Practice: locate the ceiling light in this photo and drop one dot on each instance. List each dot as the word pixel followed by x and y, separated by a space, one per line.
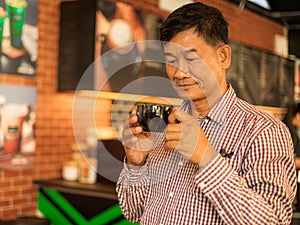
pixel 261 3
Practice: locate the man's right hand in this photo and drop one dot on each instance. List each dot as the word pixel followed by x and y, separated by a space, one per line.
pixel 136 142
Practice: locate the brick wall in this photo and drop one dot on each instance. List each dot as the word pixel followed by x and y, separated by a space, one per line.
pixel 54 132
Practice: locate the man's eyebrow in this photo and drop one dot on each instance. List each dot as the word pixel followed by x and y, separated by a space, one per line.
pixel 190 50
pixel 168 54
pixel 187 51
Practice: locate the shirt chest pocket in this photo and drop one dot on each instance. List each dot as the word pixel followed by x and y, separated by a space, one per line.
pixel 234 156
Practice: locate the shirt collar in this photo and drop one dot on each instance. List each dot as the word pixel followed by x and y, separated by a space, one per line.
pixel 220 110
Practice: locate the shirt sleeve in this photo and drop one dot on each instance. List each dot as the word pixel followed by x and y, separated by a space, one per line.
pixel 263 190
pixel 132 188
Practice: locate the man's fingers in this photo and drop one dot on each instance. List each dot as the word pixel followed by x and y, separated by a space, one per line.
pixel 136 130
pixel 173 127
pixel 171 144
pixel 172 136
pixel 174 116
pixel 133 119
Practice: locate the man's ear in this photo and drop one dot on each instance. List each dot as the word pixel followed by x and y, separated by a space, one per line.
pixel 224 54
pixel 297 116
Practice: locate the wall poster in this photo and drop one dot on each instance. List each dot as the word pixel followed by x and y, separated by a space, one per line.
pixel 18 37
pixel 261 78
pixel 17 127
pixel 127 42
pixel 297 81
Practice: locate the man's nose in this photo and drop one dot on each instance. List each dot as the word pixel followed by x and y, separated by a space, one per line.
pixel 181 71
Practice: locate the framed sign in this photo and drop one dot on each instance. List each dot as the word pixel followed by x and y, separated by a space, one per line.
pixel 128 51
pixel 18 37
pixel 260 77
pixel 17 126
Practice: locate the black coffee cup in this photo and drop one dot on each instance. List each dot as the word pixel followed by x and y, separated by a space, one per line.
pixel 153 117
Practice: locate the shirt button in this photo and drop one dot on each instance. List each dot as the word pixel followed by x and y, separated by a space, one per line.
pixel 222 212
pixel 180 163
pixel 202 184
pixel 171 194
pixel 206 120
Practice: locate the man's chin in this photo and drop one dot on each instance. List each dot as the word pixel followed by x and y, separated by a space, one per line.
pixel 184 95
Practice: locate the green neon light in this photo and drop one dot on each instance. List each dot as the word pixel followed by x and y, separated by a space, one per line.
pixel 107 216
pixel 57 218
pixel 52 213
pixel 66 206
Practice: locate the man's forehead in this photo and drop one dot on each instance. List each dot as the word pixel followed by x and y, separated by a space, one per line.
pixel 171 48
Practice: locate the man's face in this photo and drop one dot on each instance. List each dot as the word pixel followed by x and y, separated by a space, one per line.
pixel 195 67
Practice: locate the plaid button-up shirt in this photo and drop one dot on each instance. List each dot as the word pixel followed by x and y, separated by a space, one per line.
pixel 252 180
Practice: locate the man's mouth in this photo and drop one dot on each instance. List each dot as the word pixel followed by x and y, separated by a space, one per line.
pixel 186 86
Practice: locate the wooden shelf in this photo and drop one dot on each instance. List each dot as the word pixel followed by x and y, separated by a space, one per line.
pixel 100 189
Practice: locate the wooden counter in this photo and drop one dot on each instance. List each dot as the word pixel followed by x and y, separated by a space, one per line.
pixel 100 189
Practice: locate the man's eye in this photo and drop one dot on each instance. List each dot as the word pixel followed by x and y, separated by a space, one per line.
pixel 171 62
pixel 191 59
